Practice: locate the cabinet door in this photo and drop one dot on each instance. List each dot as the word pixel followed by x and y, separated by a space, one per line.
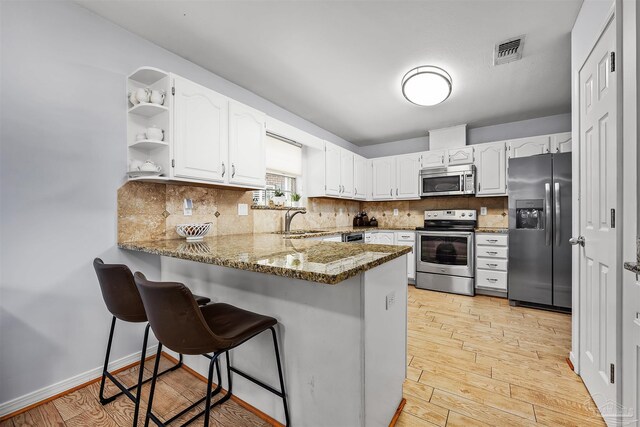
pixel 247 131
pixel 332 166
pixel 407 177
pixel 433 159
pixel 383 178
pixel 460 156
pixel 526 147
pixel 491 169
pixel 201 132
pixel 561 143
pixel 385 238
pixel 360 177
pixel 346 173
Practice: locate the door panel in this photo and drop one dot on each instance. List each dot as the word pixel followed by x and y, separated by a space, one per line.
pixel 383 178
pixel 491 169
pixel 246 145
pixel 346 173
pixel 598 265
pixel 408 177
pixel 526 147
pixel 201 132
pixel 360 177
pixel 332 165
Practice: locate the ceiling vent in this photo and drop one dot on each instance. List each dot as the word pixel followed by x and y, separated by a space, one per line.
pixel 508 50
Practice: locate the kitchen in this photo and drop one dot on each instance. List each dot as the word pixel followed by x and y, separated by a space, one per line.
pixel 138 143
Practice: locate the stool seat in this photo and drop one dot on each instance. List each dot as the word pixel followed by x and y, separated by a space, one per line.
pixel 235 325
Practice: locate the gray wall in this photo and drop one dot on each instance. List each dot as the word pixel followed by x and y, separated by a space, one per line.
pixel 63 157
pixel 522 129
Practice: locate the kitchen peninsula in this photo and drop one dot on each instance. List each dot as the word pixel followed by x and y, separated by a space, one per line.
pixel 342 310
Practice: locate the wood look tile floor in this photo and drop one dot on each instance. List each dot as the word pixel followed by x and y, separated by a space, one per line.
pixel 476 361
pixel 471 362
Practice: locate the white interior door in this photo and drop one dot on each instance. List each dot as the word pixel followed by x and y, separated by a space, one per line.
pixel 201 132
pixel 598 259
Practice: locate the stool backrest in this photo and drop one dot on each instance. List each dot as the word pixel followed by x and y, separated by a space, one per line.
pixel 175 317
pixel 119 291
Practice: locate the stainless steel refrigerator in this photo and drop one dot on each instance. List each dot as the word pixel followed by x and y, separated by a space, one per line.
pixel 539 230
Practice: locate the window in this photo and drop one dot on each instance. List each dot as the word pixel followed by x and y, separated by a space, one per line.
pixel 284 164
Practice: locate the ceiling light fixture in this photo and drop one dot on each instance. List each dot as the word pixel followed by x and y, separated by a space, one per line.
pixel 426 85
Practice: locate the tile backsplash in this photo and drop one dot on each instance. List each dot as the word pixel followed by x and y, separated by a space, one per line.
pixel 148 211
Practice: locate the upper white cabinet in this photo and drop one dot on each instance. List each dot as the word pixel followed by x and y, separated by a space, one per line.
pixel 201 132
pixel 491 169
pixel 434 159
pixel 332 167
pixel 346 173
pixel 383 180
pixel 246 145
pixel 525 147
pixel 561 142
pixel 361 178
pixel 460 156
pixel 407 176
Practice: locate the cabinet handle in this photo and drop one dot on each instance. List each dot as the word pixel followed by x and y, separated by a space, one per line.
pixel 396 191
pixel 224 169
pixel 492 253
pixel 233 170
pixel 492 240
pixel 491 280
pixel 391 192
pixel 355 190
pixel 492 265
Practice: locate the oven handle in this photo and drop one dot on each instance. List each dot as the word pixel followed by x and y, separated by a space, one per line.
pixel 446 233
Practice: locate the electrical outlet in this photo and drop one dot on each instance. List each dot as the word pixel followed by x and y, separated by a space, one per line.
pixel 395 212
pixel 187 207
pixel 483 210
pixel 390 299
pixel 243 209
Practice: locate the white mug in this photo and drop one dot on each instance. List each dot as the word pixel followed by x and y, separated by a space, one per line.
pixel 157 96
pixel 155 133
pixel 143 94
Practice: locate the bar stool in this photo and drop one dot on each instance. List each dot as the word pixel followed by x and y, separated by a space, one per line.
pixel 122 299
pixel 182 326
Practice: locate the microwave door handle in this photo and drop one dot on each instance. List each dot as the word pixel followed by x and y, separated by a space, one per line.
pixel 547 213
pixel 462 183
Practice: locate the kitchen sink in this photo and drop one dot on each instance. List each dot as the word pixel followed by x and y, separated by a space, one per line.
pixel 298 232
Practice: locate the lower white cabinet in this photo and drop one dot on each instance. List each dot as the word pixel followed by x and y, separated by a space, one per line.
pixel 492 251
pixel 408 238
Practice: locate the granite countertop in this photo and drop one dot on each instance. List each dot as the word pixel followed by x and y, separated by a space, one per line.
pixel 312 260
pixel 302 234
pixel 492 230
pixel 632 266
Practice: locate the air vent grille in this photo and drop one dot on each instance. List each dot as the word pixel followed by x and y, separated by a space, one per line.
pixel 508 50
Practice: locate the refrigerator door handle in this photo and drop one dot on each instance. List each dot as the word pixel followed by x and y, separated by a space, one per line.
pixel 547 213
pixel 556 203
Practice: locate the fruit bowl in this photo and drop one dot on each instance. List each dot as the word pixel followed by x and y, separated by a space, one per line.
pixel 193 232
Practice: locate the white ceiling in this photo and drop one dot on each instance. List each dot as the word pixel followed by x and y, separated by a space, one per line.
pixel 339 64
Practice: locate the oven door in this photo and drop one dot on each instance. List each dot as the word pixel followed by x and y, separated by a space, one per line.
pixel 446 252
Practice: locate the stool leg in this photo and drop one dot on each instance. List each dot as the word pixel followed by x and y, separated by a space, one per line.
pixel 207 409
pixel 106 364
pixel 284 394
pixel 140 375
pixel 153 387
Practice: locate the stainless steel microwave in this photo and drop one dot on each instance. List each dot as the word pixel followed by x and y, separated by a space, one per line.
pixel 448 181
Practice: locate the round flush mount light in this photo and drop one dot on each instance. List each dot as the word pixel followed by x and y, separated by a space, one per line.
pixel 426 85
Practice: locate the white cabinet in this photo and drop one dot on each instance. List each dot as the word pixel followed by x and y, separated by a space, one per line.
pixel 346 173
pixel 382 238
pixel 361 177
pixel 434 159
pixel 460 156
pixel 491 263
pixel 201 132
pixel 408 238
pixel 246 145
pixel 491 169
pixel 332 166
pixel 407 177
pixel 561 142
pixel 383 180
pixel 525 147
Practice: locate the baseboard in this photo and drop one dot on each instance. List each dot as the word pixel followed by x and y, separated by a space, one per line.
pixel 574 362
pixel 20 404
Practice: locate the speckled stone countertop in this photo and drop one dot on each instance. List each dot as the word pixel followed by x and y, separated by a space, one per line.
pixel 492 230
pixel 311 260
pixel 632 266
pixel 302 234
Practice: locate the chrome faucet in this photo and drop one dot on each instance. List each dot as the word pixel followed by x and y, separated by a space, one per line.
pixel 288 217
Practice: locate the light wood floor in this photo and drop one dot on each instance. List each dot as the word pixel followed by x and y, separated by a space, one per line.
pixel 472 362
pixel 174 392
pixel 476 361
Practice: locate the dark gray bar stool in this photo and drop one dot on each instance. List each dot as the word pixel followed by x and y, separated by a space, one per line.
pixel 182 326
pixel 122 299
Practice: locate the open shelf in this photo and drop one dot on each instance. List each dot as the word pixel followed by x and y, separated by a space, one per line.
pixel 148 144
pixel 148 109
pixel 148 75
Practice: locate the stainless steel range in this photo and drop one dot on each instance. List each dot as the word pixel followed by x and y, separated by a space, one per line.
pixel 445 254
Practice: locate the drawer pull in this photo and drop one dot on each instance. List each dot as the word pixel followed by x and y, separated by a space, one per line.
pixel 492 240
pixel 489 279
pixel 492 253
pixel 492 265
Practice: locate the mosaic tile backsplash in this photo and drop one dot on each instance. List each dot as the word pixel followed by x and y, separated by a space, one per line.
pixel 148 211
